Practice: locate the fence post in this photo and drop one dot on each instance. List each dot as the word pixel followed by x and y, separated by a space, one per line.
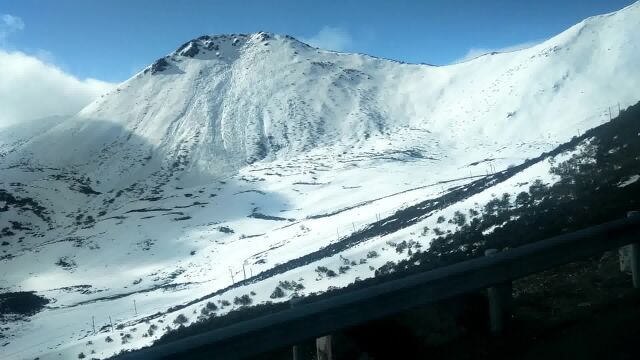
pixel 323 348
pixel 244 272
pixel 231 272
pixel 499 303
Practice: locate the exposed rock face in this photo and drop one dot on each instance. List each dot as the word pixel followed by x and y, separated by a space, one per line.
pixel 158 66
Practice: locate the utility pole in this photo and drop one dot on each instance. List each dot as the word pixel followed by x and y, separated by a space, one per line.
pixel 93 323
pixel 231 272
pixel 135 308
pixel 111 323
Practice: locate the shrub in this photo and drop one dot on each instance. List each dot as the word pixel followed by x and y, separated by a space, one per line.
pixel 523 199
pixel 225 229
pixel 401 247
pixel 243 300
pixel 180 320
pixel 277 293
pixel 125 338
pixel 425 231
pixel 372 254
pixel 291 285
pixel 386 269
pixel 66 263
pixel 81 355
pixel 108 339
pixel 458 219
pixel 152 329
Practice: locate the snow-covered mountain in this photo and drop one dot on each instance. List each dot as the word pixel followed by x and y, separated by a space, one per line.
pixel 259 157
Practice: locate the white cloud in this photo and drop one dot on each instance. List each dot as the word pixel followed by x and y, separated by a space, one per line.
pixel 31 88
pixel 8 24
pixel 475 52
pixel 330 38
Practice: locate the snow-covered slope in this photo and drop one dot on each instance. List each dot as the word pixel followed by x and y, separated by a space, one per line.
pixel 258 156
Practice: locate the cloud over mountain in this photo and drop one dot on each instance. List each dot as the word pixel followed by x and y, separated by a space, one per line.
pixel 31 88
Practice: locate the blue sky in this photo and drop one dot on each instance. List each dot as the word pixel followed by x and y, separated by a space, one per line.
pixel 111 40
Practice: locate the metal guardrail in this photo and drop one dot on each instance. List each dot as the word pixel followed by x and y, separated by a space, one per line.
pixel 323 317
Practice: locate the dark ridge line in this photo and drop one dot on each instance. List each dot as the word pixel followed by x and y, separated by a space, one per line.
pixel 122 295
pixel 196 203
pixel 248 191
pixel 335 212
pixel 147 210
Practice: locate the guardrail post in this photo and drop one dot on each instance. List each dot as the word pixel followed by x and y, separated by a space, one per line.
pixel 630 257
pixel 624 256
pixel 635 264
pixel 323 348
pixel 499 303
pixel 295 349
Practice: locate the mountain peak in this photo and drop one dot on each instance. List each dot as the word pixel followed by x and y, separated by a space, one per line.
pixel 220 46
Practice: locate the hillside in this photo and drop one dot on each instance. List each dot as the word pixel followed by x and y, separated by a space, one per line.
pixel 239 164
pixel 598 175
